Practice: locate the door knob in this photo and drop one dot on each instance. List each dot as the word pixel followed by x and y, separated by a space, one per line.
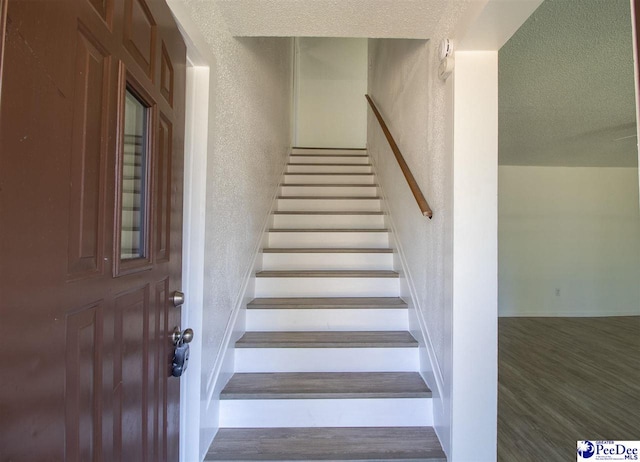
pixel 178 338
pixel 177 298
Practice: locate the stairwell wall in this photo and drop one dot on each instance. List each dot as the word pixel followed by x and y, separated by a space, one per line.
pixel 249 138
pixel 414 105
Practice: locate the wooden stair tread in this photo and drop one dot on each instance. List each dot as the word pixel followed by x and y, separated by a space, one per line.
pixel 330 185
pixel 313 212
pixel 327 303
pixel 328 230
pixel 323 164
pixel 325 173
pixel 328 339
pixel 328 274
pixel 329 155
pixel 323 250
pixel 404 444
pixel 326 385
pixel 328 149
pixel 331 197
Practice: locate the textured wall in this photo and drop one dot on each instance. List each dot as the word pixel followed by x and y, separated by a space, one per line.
pixel 331 80
pixel 249 138
pixel 572 229
pixel 337 18
pixel 412 100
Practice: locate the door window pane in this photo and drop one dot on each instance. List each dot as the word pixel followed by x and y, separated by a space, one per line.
pixel 134 179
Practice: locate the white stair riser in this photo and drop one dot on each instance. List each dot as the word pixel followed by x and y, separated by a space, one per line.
pixel 327 320
pixel 326 359
pixel 371 412
pixel 328 179
pixel 370 191
pixel 328 169
pixel 324 151
pixel 319 239
pixel 327 261
pixel 329 205
pixel 327 287
pixel 320 159
pixel 328 221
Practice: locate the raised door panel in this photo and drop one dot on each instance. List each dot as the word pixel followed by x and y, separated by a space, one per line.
pixel 3 30
pixel 140 34
pixel 83 400
pixel 163 358
pixel 163 189
pixel 104 8
pixel 88 158
pixel 166 75
pixel 131 377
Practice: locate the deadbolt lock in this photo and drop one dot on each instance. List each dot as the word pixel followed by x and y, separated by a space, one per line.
pixel 177 298
pixel 181 352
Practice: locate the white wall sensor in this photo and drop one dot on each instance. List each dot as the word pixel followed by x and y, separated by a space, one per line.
pixel 446 48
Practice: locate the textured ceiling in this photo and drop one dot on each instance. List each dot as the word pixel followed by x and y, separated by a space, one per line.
pixel 335 18
pixel 567 87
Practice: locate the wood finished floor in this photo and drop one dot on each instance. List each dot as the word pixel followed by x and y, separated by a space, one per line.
pixel 408 444
pixel 563 380
pixel 328 230
pixel 327 303
pixel 328 274
pixel 329 385
pixel 329 339
pixel 304 212
pixel 324 250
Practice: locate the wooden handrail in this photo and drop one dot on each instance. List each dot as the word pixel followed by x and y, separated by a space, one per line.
pixel 413 184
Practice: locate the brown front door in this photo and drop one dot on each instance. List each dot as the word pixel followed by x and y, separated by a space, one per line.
pixel 91 158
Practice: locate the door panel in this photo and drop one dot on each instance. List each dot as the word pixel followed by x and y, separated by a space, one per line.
pixel 166 75
pixel 140 34
pixel 130 374
pixel 3 29
pixel 87 351
pixel 83 382
pixel 88 158
pixel 163 189
pixel 104 8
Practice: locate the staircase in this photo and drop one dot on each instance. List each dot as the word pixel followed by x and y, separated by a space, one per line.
pixel 327 369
